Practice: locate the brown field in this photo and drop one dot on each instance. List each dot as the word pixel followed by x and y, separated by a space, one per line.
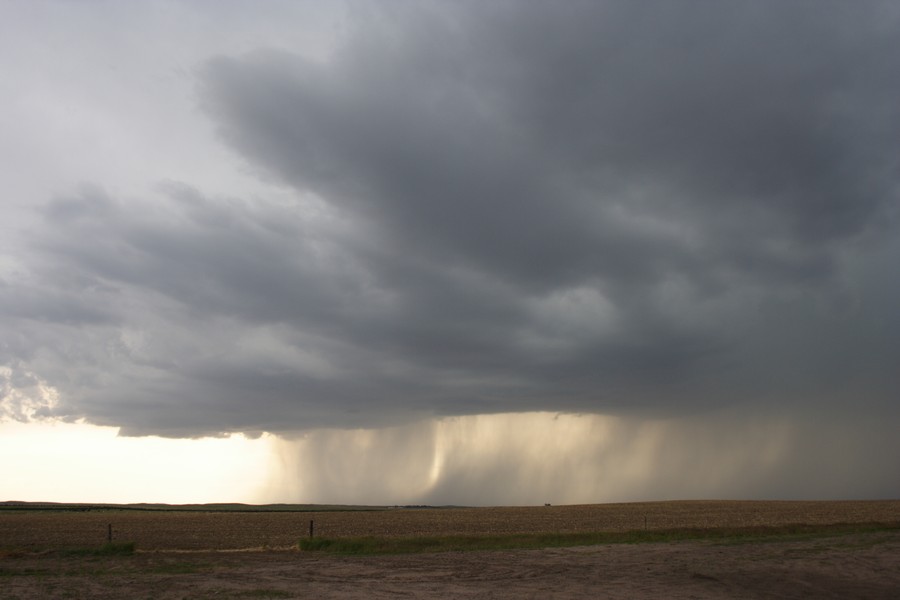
pixel 194 530
pixel 192 554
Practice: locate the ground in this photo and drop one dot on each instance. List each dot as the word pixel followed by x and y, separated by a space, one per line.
pixel 206 553
pixel 845 566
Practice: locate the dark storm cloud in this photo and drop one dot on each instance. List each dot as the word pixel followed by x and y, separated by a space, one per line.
pixel 524 206
pixel 521 140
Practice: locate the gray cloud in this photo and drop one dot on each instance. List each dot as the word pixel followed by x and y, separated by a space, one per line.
pixel 593 207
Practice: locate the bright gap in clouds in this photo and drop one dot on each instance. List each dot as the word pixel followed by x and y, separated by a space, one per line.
pixel 71 462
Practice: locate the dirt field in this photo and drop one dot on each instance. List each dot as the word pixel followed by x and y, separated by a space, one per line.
pixel 856 566
pixel 234 530
pixel 839 566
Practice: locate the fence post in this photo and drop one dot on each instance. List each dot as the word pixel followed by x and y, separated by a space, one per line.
pixel 310 528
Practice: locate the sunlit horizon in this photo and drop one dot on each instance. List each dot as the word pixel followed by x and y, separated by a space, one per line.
pixel 82 463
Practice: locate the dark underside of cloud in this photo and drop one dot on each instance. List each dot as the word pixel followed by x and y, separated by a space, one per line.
pixel 589 207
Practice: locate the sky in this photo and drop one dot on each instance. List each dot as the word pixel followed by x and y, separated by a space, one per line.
pixel 449 252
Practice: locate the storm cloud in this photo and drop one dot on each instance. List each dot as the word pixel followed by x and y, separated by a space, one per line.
pixel 640 210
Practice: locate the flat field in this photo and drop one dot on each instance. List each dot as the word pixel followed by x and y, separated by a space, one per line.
pixel 220 554
pixel 229 530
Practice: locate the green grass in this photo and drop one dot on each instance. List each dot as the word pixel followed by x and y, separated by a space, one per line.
pixel 23 572
pixel 412 545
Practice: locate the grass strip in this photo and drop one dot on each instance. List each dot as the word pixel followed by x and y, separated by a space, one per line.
pixel 429 544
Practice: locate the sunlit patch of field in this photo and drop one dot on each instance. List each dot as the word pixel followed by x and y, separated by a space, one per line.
pixel 219 528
